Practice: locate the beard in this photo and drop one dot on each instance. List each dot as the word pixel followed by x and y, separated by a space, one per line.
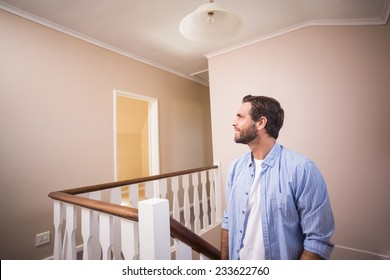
pixel 246 135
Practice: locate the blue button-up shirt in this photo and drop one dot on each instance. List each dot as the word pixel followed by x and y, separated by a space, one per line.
pixel 295 210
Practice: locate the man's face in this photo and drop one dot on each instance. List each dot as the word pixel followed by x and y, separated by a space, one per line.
pixel 245 129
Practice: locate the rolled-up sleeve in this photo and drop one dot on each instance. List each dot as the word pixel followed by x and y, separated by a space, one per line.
pixel 317 220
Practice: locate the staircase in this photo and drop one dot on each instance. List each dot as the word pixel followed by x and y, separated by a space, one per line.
pixel 178 208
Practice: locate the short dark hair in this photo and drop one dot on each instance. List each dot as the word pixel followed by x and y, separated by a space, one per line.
pixel 263 106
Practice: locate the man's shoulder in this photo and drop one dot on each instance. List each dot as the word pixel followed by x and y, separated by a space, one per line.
pixel 291 154
pixel 292 157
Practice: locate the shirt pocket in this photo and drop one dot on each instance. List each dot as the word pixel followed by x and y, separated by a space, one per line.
pixel 284 205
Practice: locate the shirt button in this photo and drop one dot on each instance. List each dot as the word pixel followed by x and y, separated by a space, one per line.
pixel 243 212
pixel 246 193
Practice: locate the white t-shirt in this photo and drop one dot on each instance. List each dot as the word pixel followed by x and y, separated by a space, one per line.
pixel 253 243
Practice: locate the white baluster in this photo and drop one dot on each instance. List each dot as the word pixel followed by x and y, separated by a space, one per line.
pixel 154 229
pixel 106 234
pixel 212 197
pixel 156 188
pixel 187 209
pixel 203 178
pixel 58 222
pixel 163 188
pixel 218 194
pixel 203 257
pixel 116 198
pixel 149 190
pixel 71 224
pixel 183 251
pixel 134 195
pixel 195 184
pixel 175 205
pixel 130 240
pixel 86 232
pixel 64 245
pixel 95 244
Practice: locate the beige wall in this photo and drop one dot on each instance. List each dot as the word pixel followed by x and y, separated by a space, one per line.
pixel 334 84
pixel 56 123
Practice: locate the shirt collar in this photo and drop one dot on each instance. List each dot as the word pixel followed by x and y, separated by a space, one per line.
pixel 270 158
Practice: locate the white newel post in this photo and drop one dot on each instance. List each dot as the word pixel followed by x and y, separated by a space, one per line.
pixel 154 229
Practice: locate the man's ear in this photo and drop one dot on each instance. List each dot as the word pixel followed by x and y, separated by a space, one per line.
pixel 261 123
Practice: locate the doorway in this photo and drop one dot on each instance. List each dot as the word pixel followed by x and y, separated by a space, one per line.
pixel 136 136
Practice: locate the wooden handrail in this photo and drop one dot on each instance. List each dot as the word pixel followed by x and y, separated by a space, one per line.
pixel 106 186
pixel 197 243
pixel 178 230
pixel 97 205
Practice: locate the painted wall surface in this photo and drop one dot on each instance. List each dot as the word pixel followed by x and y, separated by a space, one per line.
pixel 334 85
pixel 57 123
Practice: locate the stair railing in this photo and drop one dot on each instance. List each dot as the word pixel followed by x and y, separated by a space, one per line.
pixel 109 222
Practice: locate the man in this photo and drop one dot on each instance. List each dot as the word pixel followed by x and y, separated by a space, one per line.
pixel 277 201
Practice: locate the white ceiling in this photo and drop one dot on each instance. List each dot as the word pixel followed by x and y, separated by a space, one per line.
pixel 148 30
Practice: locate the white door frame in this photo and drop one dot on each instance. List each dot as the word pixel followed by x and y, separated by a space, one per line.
pixel 154 151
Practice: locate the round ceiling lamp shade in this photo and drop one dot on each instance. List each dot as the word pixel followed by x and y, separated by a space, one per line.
pixel 210 22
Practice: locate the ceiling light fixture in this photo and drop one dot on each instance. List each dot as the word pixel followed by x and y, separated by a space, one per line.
pixel 210 22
